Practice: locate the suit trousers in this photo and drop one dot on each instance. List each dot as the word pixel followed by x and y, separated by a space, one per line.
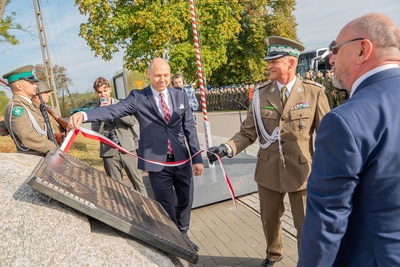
pixel 272 208
pixel 173 189
pixel 115 164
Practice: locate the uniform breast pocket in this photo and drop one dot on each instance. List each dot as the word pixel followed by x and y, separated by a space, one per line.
pixel 300 119
pixel 270 119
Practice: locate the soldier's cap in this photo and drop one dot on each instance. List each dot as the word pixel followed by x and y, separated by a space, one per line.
pixel 43 87
pixel 280 46
pixel 22 73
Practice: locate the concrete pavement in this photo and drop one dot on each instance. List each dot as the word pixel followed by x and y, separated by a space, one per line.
pixel 229 237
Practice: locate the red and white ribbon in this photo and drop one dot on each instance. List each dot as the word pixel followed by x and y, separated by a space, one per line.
pixel 70 138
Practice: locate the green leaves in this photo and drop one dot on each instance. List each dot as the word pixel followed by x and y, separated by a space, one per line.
pixel 230 33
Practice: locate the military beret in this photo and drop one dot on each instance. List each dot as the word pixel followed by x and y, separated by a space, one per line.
pixel 22 73
pixel 280 46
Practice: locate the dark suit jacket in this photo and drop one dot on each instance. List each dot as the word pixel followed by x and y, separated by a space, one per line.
pixel 123 129
pixel 353 204
pixel 154 132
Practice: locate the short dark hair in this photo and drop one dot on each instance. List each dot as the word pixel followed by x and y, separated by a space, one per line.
pixel 176 76
pixel 100 82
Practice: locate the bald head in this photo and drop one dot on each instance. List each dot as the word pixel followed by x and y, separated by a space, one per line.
pixel 382 31
pixel 365 43
pixel 159 74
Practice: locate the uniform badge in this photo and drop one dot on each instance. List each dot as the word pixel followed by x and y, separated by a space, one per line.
pixel 299 89
pixel 272 89
pixel 17 111
pixel 302 124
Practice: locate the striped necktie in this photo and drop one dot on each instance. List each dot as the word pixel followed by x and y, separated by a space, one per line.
pixel 167 117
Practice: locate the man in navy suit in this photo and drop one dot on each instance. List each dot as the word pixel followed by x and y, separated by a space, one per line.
pixel 160 139
pixel 353 203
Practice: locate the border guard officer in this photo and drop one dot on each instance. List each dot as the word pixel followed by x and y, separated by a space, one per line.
pixel 284 114
pixel 22 118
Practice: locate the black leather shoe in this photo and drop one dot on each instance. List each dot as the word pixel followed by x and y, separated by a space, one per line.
pixel 267 263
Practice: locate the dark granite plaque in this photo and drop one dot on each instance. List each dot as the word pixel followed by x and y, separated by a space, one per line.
pixel 78 185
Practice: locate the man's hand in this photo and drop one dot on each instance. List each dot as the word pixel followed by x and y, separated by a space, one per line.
pixel 220 150
pixel 75 120
pixel 198 169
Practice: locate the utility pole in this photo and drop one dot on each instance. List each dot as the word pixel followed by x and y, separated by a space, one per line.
pixel 2 7
pixel 45 54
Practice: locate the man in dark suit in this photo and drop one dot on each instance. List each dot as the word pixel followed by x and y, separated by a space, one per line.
pixel 166 126
pixel 353 200
pixel 121 132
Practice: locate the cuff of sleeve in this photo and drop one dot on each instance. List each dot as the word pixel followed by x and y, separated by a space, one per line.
pixel 230 151
pixel 84 116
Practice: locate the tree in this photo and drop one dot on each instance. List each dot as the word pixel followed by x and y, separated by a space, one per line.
pixel 3 102
pixel 8 23
pixel 231 34
pixel 60 77
pixel 62 81
pixel 246 52
pixel 157 28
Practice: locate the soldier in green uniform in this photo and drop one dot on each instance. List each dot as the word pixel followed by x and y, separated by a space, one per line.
pixel 22 118
pixel 320 78
pixel 330 91
pixel 342 95
pixel 45 92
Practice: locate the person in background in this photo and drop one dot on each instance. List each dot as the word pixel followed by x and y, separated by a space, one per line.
pixel 167 134
pixel 22 118
pixel 284 114
pixel 330 91
pixel 353 201
pixel 121 132
pixel 320 78
pixel 45 93
pixel 178 83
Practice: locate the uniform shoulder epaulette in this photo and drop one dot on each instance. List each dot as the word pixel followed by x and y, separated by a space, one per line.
pixel 265 84
pixel 313 83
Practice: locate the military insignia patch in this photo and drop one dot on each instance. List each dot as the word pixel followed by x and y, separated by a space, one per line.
pixel 17 111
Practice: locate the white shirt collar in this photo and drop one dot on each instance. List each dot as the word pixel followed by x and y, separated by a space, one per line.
pixel 157 93
pixel 370 73
pixel 289 86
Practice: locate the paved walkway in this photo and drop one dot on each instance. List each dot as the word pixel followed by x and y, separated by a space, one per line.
pixel 229 237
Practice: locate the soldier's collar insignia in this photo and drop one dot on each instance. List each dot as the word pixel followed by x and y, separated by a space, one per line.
pixel 17 111
pixel 272 89
pixel 299 89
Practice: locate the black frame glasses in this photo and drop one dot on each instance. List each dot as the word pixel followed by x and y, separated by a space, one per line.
pixel 334 47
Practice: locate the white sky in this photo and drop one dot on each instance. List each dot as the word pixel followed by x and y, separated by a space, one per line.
pixel 318 23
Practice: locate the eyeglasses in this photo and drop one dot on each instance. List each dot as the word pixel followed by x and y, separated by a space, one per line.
pixel 334 47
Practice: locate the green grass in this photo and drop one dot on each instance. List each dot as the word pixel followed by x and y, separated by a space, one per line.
pixel 84 149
